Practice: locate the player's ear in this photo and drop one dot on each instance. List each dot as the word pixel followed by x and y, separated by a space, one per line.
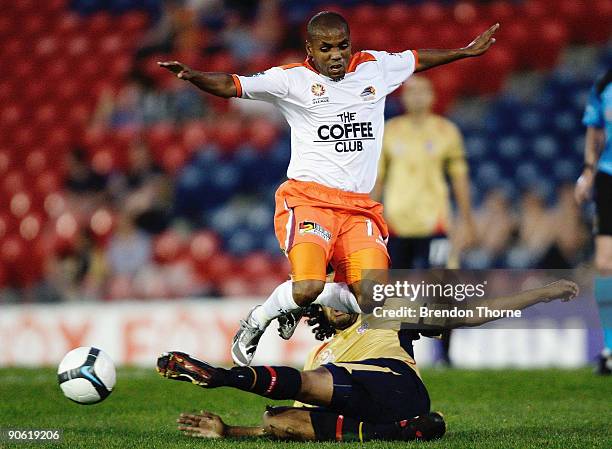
pixel 308 49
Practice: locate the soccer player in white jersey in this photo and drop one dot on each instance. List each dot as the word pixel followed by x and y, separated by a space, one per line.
pixel 334 103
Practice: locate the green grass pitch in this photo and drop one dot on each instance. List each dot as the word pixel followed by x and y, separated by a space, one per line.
pixel 484 409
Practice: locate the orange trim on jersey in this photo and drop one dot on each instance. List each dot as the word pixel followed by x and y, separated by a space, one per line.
pixel 292 66
pixel 416 58
pixel 309 65
pixel 359 58
pixel 238 86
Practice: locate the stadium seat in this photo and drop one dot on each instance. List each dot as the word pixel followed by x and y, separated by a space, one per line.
pixel 168 247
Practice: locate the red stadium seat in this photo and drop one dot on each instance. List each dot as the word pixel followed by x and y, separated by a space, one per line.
pixel 195 135
pixel 399 15
pixel 47 182
pixel 12 249
pixel 133 22
pixel 499 11
pixel 33 25
pixel 430 13
pixel 161 135
pixel 173 158
pixel 55 205
pixel 236 287
pixel 465 13
pixel 544 52
pixel 257 264
pixel 47 47
pixel 7 225
pixel 222 267
pixel 229 132
pixel 35 162
pixel 102 223
pixel 168 247
pixel 5 162
pixel 12 183
pixel 20 205
pixel 204 245
pixel 100 23
pixel 68 24
pixel 265 285
pixel 262 134
pixel 599 28
pixel 78 46
pixel 103 160
pixel 30 227
pixel 120 287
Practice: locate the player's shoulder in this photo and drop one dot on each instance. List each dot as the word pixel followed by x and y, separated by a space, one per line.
pixel 444 124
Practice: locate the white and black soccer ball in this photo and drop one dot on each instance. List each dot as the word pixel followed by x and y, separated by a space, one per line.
pixel 86 375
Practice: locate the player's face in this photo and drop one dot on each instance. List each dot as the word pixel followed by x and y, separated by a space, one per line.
pixel 339 320
pixel 330 52
pixel 418 95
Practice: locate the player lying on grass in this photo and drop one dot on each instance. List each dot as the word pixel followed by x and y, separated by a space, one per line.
pixel 362 384
pixel 334 103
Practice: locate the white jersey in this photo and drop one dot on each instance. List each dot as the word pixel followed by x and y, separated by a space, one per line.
pixel 336 126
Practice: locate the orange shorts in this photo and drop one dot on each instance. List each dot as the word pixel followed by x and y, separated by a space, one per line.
pixel 339 222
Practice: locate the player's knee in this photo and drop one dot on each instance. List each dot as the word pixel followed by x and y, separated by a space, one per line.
pixel 305 292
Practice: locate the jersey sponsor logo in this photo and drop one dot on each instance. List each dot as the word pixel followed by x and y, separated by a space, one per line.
pixel 318 90
pixel 347 135
pixel 310 227
pixel 369 93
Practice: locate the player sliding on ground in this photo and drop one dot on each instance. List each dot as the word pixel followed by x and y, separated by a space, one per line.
pixel 334 103
pixel 364 382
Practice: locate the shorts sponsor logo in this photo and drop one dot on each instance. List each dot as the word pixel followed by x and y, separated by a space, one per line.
pixel 310 227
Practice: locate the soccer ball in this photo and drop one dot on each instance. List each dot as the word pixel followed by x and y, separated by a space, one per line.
pixel 86 375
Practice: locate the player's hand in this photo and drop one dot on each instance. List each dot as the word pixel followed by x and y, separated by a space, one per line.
pixel 584 187
pixel 181 70
pixel 482 43
pixel 201 425
pixel 564 290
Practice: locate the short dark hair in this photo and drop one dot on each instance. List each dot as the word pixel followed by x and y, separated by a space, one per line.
pixel 326 20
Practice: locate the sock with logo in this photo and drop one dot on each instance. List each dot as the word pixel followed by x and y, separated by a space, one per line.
pixel 274 382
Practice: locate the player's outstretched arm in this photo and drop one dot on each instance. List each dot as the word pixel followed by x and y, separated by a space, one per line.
pixel 209 425
pixel 219 84
pixel 433 58
pixel 563 289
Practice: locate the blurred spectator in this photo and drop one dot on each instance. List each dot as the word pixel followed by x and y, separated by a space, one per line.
pixel 129 248
pixel 160 37
pixel 534 239
pixel 77 273
pixel 81 179
pixel 136 104
pixel 143 189
pixel 495 224
pixel 570 232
